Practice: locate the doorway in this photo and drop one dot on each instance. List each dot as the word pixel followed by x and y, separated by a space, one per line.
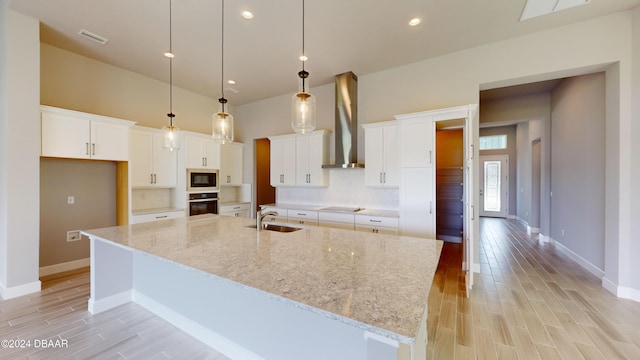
pixel 450 180
pixel 265 193
pixel 494 185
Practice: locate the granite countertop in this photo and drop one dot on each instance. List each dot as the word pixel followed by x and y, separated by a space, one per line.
pixel 378 282
pixel 370 212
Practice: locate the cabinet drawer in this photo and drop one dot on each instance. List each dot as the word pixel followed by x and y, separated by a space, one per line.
pixel 300 221
pixel 142 218
pixel 232 208
pixel 302 214
pixel 377 221
pixel 377 229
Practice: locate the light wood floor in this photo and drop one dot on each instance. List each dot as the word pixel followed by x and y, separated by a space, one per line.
pixel 59 312
pixel 529 302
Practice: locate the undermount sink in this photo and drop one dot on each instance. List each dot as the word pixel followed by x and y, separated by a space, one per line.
pixel 277 227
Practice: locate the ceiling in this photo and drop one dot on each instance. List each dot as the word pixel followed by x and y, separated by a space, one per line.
pixel 261 54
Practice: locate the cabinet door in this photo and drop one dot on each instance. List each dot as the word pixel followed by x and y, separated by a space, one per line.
pixel 374 155
pixel 417 202
pixel 283 162
pixel 416 137
pixel 109 141
pixel 141 160
pixel 165 164
pixel 194 152
pixel 65 136
pixel 231 164
pixel 318 155
pixel 391 156
pixel 276 166
pixel 211 154
pixel 302 160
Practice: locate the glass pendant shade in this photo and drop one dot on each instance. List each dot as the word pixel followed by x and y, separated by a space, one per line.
pixel 170 135
pixel 303 108
pixel 222 125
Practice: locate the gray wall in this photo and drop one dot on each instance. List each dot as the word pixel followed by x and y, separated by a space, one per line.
pixel 578 166
pixel 93 184
pixel 512 151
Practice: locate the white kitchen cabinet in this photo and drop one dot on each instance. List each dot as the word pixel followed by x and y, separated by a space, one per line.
pixel 283 161
pixel 381 149
pixel 344 221
pixel 297 159
pixel 312 151
pixel 78 135
pixel 150 164
pixel 417 133
pixel 417 202
pixel 231 155
pixel 377 224
pixel 201 152
pixel 236 210
pixel 302 217
pixel 157 216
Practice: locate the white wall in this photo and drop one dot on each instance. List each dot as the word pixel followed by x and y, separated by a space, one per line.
pixel 19 157
pixel 455 79
pixel 634 209
pixel 578 166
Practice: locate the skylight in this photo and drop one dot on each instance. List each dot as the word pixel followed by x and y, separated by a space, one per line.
pixel 535 8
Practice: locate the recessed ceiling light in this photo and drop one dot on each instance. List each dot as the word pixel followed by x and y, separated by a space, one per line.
pixel 415 21
pixel 303 58
pixel 247 14
pixel 169 55
pixel 232 82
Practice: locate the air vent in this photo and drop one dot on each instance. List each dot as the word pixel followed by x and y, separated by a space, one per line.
pixel 93 37
pixel 231 90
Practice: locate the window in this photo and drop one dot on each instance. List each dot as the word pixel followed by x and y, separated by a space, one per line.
pixel 493 142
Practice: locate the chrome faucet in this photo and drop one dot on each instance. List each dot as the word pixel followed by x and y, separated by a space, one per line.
pixel 260 216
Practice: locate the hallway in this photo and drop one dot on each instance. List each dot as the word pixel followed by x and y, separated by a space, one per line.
pixel 529 302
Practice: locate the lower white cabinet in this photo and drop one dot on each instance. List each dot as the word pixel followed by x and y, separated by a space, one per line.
pixel 417 202
pixel 377 224
pixel 236 210
pixel 302 217
pixel 149 217
pixel 345 221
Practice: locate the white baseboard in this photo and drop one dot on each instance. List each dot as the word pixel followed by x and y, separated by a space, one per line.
pixel 108 303
pixel 511 217
pixel 476 268
pixel 205 335
pixel 580 260
pixel 67 266
pixel 544 238
pixel 532 230
pixel 7 293
pixel 621 291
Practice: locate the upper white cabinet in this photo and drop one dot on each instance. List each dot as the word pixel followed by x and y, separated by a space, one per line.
pixel 297 159
pixel 381 149
pixel 151 165
pixel 312 151
pixel 201 152
pixel 231 155
pixel 73 134
pixel 417 133
pixel 283 161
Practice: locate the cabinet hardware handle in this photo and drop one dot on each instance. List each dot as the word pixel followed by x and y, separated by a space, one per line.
pixel 86 148
pixel 161 217
pixel 236 214
pixel 375 221
pixel 155 178
pixel 430 157
pixel 471 151
pixel 93 149
pixel 430 207
pixel 384 177
pixel 380 178
pixel 151 178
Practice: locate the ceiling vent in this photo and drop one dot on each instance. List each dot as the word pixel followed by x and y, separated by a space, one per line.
pixel 93 37
pixel 535 8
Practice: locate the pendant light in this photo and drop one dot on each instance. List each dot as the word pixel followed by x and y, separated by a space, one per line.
pixel 171 133
pixel 303 104
pixel 222 121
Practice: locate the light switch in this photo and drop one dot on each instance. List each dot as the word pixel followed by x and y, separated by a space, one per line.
pixel 71 200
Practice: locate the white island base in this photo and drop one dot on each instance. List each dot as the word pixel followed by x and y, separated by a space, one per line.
pixel 237 320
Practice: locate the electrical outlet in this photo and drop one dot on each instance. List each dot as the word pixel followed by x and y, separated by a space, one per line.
pixel 71 200
pixel 73 235
pixel 562 232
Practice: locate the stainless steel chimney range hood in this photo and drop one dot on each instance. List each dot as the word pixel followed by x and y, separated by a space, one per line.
pixel 346 123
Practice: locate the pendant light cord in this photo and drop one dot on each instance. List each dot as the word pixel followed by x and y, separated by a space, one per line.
pixel 303 74
pixel 222 100
pixel 171 115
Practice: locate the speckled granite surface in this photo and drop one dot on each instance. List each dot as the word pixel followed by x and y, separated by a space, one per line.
pixel 380 281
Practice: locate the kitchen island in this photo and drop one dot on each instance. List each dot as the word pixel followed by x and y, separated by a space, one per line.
pixel 316 293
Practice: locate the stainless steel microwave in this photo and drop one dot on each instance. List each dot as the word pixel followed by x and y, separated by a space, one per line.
pixel 202 180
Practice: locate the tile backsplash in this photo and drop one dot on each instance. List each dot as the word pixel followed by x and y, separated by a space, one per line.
pixel 143 199
pixel 346 188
